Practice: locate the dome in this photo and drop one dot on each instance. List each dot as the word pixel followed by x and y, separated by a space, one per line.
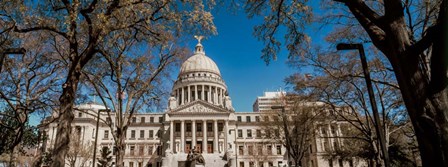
pixel 199 62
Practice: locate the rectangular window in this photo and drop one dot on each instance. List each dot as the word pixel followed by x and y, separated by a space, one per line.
pixel 257 119
pixel 269 150
pixel 131 150
pixel 341 163
pixel 209 127
pixel 142 120
pixel 140 149
pixel 177 127
pixel 132 134
pixel 160 119
pixel 248 119
pixel 239 118
pixel 279 149
pixel 258 133
pixel 251 164
pixel 199 127
pixel 260 150
pixel 106 134
pixel 241 150
pixel 150 150
pixel 261 164
pixel 80 114
pixel 131 164
pixel 279 163
pixel 240 133
pixel 266 118
pixel 134 120
pixel 249 133
pixel 220 127
pixel 330 162
pixel 142 134
pixel 151 134
pixel 242 164
pixel 250 150
pixel 188 127
pixel 151 119
pixel 270 164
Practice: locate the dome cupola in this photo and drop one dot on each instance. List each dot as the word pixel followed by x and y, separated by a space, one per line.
pixel 199 80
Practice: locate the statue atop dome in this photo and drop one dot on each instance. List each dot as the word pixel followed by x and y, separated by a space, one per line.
pixel 199 38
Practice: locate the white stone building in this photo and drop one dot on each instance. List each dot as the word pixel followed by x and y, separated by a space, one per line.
pixel 199 115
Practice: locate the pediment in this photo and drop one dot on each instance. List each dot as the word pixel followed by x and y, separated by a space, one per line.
pixel 199 107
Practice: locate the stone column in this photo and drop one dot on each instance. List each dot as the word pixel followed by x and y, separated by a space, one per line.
pixel 221 97
pixel 202 93
pixel 178 96
pixel 172 136
pixel 182 136
pixel 189 94
pixel 226 135
pixel 204 136
pixel 193 134
pixel 215 129
pixel 215 99
pixel 209 94
pixel 195 92
pixel 183 97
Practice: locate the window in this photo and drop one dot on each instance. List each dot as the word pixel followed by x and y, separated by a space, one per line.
pixel 260 150
pixel 270 163
pixel 241 150
pixel 93 132
pixel 258 133
pixel 279 163
pixel 257 119
pixel 140 150
pixel 151 119
pixel 269 150
pixel 80 114
pixel 142 120
pixel 106 134
pixel 220 127
pixel 140 164
pixel 198 127
pixel 131 164
pixel 324 132
pixel 333 130
pixel 132 149
pixel 151 134
pixel 109 121
pixel 330 162
pixel 188 127
pixel 134 120
pixel 209 127
pixel 239 118
pixel 266 118
pixel 249 133
pixel 251 164
pixel 132 133
pixel 261 164
pixel 240 133
pixel 142 134
pixel 242 164
pixel 279 149
pixel 248 119
pixel 177 127
pixel 250 150
pixel 160 119
pixel 150 150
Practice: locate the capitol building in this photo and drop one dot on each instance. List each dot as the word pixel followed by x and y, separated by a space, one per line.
pixel 199 116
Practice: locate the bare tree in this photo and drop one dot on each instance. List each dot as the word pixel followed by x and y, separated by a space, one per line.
pixel 130 84
pixel 409 33
pixel 80 151
pixel 80 28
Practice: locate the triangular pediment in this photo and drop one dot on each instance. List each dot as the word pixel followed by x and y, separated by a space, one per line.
pixel 198 107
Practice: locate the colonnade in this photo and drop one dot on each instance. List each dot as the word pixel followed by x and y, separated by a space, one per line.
pixel 211 94
pixel 194 136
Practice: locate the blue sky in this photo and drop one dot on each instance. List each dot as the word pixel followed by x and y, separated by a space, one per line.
pixel 237 53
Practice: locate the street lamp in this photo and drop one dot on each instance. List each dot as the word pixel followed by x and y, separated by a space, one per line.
pixel 236 153
pixel 376 117
pixel 96 135
pixel 285 126
pixel 10 51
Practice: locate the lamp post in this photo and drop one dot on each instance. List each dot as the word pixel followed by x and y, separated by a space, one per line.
pixel 236 147
pixel 376 117
pixel 96 136
pixel 9 51
pixel 285 127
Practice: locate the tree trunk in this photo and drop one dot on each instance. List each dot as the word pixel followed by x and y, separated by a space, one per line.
pixel 66 116
pixel 120 148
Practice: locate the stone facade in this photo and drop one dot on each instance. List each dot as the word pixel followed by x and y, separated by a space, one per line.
pixel 200 116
